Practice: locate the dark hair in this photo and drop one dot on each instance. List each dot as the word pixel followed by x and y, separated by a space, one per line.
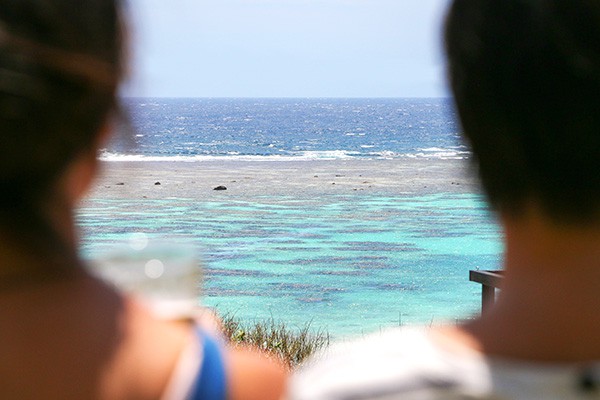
pixel 526 80
pixel 60 65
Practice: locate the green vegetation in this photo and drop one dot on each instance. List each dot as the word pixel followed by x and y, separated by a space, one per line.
pixel 290 345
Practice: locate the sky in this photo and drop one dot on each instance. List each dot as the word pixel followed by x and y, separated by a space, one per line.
pixel 286 48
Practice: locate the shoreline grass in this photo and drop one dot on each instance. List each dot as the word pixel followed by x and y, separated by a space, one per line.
pixel 291 345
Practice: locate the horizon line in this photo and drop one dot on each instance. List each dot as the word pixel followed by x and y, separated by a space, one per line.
pixel 283 97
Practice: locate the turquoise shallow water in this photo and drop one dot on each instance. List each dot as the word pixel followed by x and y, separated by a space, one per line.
pixel 350 264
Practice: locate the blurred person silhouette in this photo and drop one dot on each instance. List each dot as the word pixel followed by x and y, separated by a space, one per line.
pixel 63 333
pixel 525 75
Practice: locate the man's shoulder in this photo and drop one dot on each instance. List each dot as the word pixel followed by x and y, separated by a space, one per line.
pixel 396 363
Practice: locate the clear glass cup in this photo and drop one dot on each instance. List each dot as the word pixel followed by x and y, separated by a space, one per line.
pixel 163 274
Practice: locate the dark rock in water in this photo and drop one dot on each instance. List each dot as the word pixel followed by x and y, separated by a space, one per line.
pixel 220 187
pixel 156 183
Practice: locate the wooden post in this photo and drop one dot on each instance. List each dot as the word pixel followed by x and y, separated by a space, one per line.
pixel 488 297
pixel 489 280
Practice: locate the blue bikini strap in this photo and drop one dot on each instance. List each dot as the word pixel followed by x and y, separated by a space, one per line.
pixel 211 383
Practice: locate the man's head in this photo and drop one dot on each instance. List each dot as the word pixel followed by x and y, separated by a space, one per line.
pixel 526 79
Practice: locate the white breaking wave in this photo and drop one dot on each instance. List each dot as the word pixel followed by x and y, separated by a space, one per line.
pixel 430 153
pixel 328 155
pixel 454 153
pixel 307 155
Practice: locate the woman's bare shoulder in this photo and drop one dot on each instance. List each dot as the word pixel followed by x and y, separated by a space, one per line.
pixel 254 375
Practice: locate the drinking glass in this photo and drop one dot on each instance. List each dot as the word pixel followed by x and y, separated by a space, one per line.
pixel 164 274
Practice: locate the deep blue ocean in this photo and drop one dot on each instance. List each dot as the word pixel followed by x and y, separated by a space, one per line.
pixel 349 264
pixel 196 129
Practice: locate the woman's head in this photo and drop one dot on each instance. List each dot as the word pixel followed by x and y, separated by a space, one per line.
pixel 526 79
pixel 60 64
